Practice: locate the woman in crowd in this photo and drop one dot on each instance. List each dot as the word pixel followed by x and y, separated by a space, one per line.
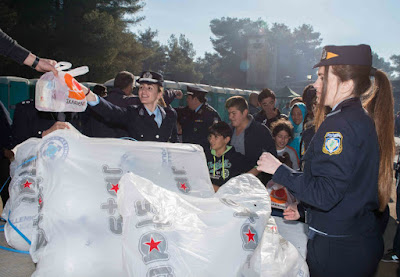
pixel 149 121
pixel 348 170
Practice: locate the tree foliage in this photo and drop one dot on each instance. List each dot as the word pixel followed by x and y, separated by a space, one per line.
pixel 180 65
pixel 291 53
pixel 156 54
pixel 91 32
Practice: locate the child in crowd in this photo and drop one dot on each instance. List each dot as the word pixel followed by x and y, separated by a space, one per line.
pixel 282 132
pixel 297 115
pixel 222 160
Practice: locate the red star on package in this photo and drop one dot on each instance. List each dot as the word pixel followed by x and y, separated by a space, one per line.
pixel 115 188
pixel 40 201
pixel 250 235
pixel 183 186
pixel 153 244
pixel 27 184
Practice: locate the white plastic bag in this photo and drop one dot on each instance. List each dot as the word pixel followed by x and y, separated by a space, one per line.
pixel 281 198
pixel 22 206
pixel 78 229
pixel 62 93
pixel 170 234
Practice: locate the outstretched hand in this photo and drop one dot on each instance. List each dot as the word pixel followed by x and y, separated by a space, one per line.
pixel 268 163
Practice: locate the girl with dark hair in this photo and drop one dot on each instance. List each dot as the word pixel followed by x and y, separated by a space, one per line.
pixel 348 169
pixel 151 120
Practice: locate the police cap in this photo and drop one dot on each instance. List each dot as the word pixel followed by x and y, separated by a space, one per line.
pixel 195 89
pixel 346 55
pixel 151 78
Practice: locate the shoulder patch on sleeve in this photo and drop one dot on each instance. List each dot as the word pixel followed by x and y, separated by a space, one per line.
pixel 332 143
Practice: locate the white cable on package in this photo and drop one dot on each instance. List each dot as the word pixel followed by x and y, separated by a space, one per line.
pixel 78 229
pixel 22 206
pixel 170 234
pixel 61 93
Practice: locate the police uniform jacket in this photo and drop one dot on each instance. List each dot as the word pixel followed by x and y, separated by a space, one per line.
pixel 138 123
pixel 340 179
pixel 195 124
pixel 29 122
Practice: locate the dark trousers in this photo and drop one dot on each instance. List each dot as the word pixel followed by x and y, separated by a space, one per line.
pixel 355 256
pixel 396 241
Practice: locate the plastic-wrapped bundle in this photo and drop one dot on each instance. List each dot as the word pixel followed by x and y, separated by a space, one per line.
pixel 78 228
pixel 22 205
pixel 170 234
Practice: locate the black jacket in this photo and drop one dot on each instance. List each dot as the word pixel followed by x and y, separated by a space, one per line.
pixel 10 48
pixel 138 123
pixel 195 124
pixel 258 139
pixel 262 118
pixel 229 165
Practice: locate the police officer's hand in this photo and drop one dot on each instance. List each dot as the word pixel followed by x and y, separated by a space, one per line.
pixel 268 163
pixel 178 94
pixel 56 126
pixel 291 212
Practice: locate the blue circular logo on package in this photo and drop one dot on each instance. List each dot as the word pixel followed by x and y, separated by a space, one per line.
pixel 54 148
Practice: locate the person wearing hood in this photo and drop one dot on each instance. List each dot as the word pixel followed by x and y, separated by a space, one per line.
pixel 223 161
pixel 296 117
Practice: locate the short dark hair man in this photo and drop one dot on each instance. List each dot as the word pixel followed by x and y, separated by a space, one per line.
pixel 250 138
pixel 268 113
pixel 196 117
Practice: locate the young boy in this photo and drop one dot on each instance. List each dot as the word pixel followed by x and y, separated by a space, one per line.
pixel 282 132
pixel 222 160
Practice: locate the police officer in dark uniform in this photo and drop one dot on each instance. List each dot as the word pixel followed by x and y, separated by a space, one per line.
pixel 29 122
pixel 196 117
pixel 348 166
pixel 148 121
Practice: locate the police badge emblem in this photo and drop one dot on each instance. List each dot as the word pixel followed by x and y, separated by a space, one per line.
pixel 323 57
pixel 147 75
pixel 333 143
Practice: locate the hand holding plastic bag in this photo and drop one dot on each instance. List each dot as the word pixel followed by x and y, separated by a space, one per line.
pixel 61 93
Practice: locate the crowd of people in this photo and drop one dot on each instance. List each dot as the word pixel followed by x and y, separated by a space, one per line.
pixel 333 150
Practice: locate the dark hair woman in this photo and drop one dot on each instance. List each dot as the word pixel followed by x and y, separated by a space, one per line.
pixel 149 121
pixel 348 165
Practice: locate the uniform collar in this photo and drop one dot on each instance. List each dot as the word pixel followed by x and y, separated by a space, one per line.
pixel 198 108
pixel 347 102
pixel 158 110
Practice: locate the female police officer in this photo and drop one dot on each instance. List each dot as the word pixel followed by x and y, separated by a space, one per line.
pixel 148 121
pixel 350 154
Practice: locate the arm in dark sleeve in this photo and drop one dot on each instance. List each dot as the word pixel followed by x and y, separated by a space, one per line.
pixel 174 134
pixel 324 184
pixel 112 113
pixel 169 96
pixel 10 48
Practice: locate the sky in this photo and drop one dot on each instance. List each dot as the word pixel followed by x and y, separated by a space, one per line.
pixel 340 22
